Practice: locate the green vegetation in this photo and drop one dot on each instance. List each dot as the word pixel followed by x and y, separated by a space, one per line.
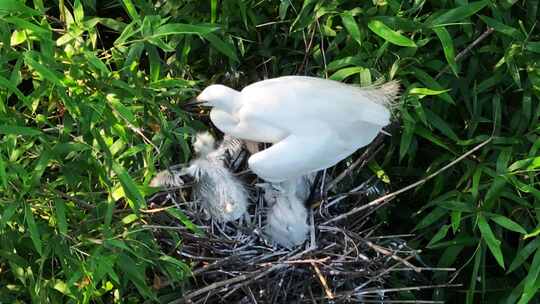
pixel 89 95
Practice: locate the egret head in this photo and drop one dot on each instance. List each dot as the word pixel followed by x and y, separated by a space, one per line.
pixel 218 96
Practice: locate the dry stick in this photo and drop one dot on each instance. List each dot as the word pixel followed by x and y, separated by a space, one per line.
pixel 403 301
pixel 369 291
pixel 361 161
pixel 468 49
pixel 409 187
pixel 389 253
pixel 247 278
pixel 187 298
pixel 322 279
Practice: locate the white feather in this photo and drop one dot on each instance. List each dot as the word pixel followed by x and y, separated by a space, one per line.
pixel 313 123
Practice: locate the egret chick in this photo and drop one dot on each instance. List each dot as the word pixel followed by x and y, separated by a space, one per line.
pixel 287 218
pixel 313 123
pixel 220 192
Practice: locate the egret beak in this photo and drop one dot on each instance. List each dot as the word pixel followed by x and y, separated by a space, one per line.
pixel 194 105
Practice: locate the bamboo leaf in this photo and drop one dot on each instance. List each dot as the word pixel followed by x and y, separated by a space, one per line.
pixel 351 26
pixel 33 229
pixel 493 243
pixel 130 187
pixel 508 224
pixel 448 47
pixel 459 13
pixel 389 35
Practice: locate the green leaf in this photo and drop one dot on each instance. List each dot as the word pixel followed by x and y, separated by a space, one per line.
pixel 443 231
pixel 459 13
pixel 493 243
pixel 448 47
pixel 33 229
pixel 18 130
pixel 455 218
pixel 220 45
pixel 130 218
pixel 441 125
pixel 508 223
pixel 181 28
pixel 474 274
pixel 130 187
pixel 135 272
pixel 3 176
pixel 535 232
pixel 389 35
pixel 502 28
pixel 529 164
pixel 457 206
pixel 343 74
pixel 431 218
pixel 121 109
pixel 11 6
pixel 60 208
pixel 17 37
pixel 351 26
pixel 533 46
pixel 155 62
pixel 431 83
pixel 78 11
pixel 4 82
pixel 531 280
pixel 426 91
pixel 523 254
pixel 406 137
pixel 131 10
pixel 43 71
pixel 9 210
pixel 178 214
pixel 494 191
pixel 42 32
pixel 40 167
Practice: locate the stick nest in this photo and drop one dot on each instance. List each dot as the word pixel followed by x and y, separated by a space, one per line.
pixel 343 261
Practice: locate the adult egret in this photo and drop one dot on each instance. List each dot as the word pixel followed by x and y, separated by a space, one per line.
pixel 313 123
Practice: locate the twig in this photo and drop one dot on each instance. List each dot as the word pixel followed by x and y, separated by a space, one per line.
pixel 322 279
pixel 209 288
pixel 361 161
pixel 468 49
pixel 372 290
pixel 389 253
pixel 305 261
pixel 409 187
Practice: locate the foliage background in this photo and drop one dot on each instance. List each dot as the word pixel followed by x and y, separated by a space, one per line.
pixel 89 96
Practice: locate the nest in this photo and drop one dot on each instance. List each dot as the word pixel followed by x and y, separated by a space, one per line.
pixel 343 261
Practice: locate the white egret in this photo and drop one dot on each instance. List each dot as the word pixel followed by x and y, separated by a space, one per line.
pixel 313 123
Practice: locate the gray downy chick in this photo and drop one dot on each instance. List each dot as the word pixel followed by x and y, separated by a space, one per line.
pixel 287 218
pixel 168 179
pixel 220 193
